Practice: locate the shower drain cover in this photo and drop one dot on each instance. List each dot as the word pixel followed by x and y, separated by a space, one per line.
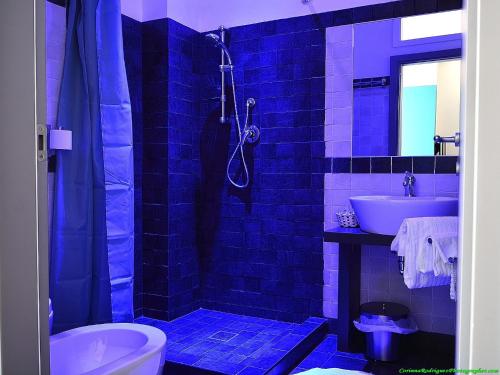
pixel 223 336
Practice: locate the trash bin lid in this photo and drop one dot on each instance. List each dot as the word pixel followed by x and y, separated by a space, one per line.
pixel 391 310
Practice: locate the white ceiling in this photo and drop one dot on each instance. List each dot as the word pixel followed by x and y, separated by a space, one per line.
pixel 204 15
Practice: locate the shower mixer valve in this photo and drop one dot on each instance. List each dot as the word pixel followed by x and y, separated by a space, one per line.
pixel 252 134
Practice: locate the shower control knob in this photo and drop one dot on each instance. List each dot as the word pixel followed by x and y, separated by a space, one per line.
pixel 253 134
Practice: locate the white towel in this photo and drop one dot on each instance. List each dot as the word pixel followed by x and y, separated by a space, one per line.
pixel 436 251
pixel 425 257
pixel 410 243
pixel 445 251
pixel 442 231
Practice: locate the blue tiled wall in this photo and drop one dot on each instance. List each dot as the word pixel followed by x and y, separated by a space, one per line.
pixel 261 248
pixel 170 169
pixel 155 168
pixel 183 170
pixel 370 131
pixel 132 35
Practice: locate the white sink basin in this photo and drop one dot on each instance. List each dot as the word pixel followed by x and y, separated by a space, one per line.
pixel 383 214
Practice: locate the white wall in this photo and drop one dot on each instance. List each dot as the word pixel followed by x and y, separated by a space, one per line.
pixel 448 101
pixel 133 9
pixel 55 39
pixel 155 9
pixel 203 15
pixel 376 42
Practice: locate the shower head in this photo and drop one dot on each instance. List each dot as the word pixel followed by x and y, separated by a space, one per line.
pixel 220 44
pixel 215 38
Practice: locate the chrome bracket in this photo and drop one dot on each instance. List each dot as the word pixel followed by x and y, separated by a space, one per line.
pixel 226 68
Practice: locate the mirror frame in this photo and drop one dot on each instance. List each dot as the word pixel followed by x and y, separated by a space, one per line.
pixel 395 84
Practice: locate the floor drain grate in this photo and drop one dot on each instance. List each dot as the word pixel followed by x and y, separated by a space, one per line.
pixel 223 336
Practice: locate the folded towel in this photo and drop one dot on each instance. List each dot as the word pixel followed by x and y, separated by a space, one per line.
pixel 444 230
pixel 445 245
pixel 437 252
pixel 410 243
pixel 425 257
pixel 445 251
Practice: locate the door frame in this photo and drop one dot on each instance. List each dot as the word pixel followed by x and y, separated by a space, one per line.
pixel 24 333
pixel 478 322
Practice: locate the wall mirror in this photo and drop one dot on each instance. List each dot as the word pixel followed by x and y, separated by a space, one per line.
pixel 406 85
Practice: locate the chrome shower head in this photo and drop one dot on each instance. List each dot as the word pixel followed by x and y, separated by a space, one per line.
pixel 214 37
pixel 220 44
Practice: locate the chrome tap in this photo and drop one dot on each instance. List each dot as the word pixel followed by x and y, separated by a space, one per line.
pixel 409 184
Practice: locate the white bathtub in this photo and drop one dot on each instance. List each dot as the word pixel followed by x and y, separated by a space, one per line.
pixel 116 348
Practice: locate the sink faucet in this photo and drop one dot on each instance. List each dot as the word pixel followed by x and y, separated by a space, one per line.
pixel 409 184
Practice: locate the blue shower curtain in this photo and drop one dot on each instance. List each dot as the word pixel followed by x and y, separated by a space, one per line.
pixel 91 275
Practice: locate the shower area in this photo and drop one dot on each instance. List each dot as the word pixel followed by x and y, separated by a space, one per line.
pixel 228 223
pixel 230 194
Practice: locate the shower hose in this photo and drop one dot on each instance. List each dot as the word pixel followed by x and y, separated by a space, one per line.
pixel 242 136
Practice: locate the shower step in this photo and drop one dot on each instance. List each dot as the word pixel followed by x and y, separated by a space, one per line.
pixel 213 342
pixel 296 350
pixel 302 348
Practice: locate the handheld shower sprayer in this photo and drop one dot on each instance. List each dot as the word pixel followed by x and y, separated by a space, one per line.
pixel 220 44
pixel 249 133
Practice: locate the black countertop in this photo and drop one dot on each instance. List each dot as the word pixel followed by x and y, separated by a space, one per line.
pixel 356 236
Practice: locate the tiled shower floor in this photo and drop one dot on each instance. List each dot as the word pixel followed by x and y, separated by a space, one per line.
pixel 229 343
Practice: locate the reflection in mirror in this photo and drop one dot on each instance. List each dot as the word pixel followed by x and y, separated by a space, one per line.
pixel 406 88
pixel 429 105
